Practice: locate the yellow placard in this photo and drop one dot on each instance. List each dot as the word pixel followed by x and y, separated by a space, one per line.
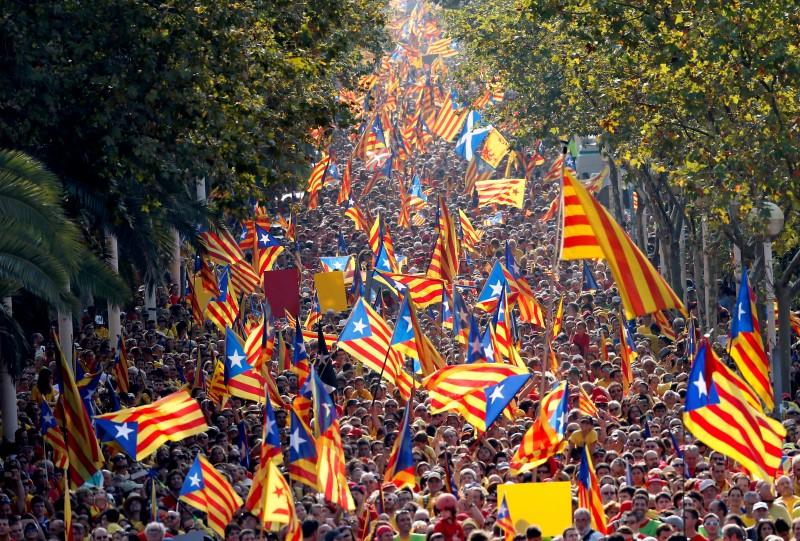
pixel 547 505
pixel 330 291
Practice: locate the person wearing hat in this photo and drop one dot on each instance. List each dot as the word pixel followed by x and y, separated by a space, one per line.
pixel 384 532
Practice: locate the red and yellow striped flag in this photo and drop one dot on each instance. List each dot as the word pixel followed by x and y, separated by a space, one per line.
pixel 589 232
pixel 450 120
pixel 445 259
pixel 470 237
pixel 83 451
pixel 504 191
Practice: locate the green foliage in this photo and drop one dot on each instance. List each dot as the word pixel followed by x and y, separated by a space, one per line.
pixel 129 102
pixel 705 93
pixel 41 250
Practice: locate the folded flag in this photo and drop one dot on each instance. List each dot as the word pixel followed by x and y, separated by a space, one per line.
pixel 468 389
pixel 401 467
pixel 545 437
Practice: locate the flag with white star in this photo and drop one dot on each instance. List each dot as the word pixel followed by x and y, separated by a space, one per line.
pixel 302 465
pixel 142 430
pixel 366 336
pixel 722 411
pixel 207 490
pixel 492 289
pixel 241 378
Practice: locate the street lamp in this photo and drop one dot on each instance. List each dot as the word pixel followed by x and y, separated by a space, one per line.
pixel 770 216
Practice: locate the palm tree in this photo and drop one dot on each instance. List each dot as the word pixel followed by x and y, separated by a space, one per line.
pixel 43 253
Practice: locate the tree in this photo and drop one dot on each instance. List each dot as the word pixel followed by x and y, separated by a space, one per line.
pixel 698 100
pixel 42 252
pixel 130 102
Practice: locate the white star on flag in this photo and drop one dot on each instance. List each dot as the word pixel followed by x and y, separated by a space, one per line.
pixel 497 394
pixel 359 326
pixel 195 480
pixel 497 289
pixel 700 383
pixel 236 359
pixel 123 431
pixel 296 440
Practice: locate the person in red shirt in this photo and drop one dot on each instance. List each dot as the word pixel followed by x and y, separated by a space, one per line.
pixel 447 525
pixel 581 338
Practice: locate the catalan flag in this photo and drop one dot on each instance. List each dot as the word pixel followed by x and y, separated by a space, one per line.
pixel 380 240
pixel 52 436
pixel 589 492
pixel 217 391
pixel 314 315
pixel 545 437
pixel 627 356
pixel 589 282
pixel 221 247
pixel 664 325
pixel 270 499
pixel 530 311
pixel 503 191
pixel 300 362
pixel 470 237
pixel 468 388
pixel 472 136
pixel 450 119
pixel 496 281
pixel 400 468
pixel 718 413
pixel 331 469
pixel 423 290
pixel 244 278
pixel 502 328
pixel 302 465
pixel 504 521
pixel 207 490
pixel 241 379
pixel 589 232
pixel 408 339
pixel 317 178
pixel 366 336
pixel 224 309
pixel 85 458
pixel 445 259
pixel 270 436
pixel 269 249
pixel 346 187
pixel 477 170
pixel 142 430
pixel 354 212
pixel 746 346
pixel 461 317
pixel 443 47
pixel 120 368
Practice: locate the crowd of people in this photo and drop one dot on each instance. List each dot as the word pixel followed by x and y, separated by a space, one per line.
pixel 656 480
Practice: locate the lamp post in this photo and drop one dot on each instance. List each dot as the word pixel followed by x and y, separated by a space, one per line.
pixel 772 217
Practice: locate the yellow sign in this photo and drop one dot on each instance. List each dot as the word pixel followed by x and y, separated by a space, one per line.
pixel 546 505
pixel 330 291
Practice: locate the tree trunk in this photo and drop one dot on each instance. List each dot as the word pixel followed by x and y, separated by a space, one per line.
pixel 114 325
pixel 8 392
pixel 616 197
pixel 65 335
pixel 175 261
pixel 782 353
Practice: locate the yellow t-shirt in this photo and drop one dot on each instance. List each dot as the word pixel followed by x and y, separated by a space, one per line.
pixel 579 440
